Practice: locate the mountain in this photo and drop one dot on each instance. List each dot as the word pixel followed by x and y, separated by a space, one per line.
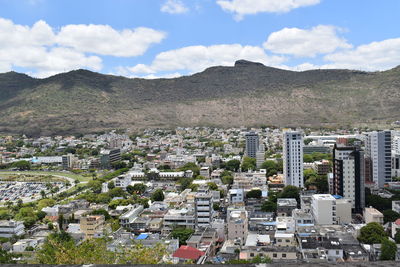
pixel 247 94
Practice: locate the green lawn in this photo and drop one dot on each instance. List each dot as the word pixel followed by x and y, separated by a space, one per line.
pixel 74 176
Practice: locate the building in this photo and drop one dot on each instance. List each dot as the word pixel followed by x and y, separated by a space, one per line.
pixel 203 203
pixel 108 157
pixel 285 206
pixel 348 175
pixel 378 151
pixel 205 172
pixel 260 156
pixel 92 226
pixel 236 196
pixel 343 211
pixel 252 144
pixel 396 206
pixel 309 149
pixel 68 161
pixel 11 228
pixel 293 158
pixel 323 208
pixel 322 167
pixel 238 225
pixel 183 217
pixel 373 215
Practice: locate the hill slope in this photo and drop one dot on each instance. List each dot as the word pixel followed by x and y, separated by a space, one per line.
pixel 247 94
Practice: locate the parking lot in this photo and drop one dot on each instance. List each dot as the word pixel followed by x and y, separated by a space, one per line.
pixel 28 191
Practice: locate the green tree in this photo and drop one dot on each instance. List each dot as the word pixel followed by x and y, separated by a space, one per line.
pixel 271 167
pixel 182 234
pixel 139 188
pixel 111 185
pixel 232 165
pixel 290 191
pixel 191 166
pixel 5 257
pixel 21 165
pixel 212 186
pixel 390 216
pixel 255 193
pixel 388 250
pixel 158 195
pixel 269 206
pixel 248 164
pixel 372 233
pixel 101 212
pixel 116 192
pixel 397 237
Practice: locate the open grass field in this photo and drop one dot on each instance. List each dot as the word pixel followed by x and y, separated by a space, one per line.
pixel 73 176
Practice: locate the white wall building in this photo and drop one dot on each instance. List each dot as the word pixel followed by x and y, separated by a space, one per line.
pixel 293 158
pixel 323 208
pixel 378 150
pixel 11 228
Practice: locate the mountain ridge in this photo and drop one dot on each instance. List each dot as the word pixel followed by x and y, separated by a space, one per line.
pixel 247 94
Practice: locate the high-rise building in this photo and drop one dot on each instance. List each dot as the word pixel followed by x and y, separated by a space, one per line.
pixel 203 203
pixel 348 175
pixel 379 155
pixel 293 158
pixel 260 156
pixel 252 143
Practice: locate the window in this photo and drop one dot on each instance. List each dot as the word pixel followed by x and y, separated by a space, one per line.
pixel 274 255
pixel 251 254
pixel 283 255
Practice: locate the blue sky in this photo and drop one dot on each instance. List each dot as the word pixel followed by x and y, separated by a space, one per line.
pixel 169 38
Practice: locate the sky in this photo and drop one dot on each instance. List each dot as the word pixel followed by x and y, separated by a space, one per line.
pixel 171 38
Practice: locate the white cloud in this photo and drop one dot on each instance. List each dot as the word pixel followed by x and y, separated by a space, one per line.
pixel 174 7
pixel 321 39
pixel 104 40
pixel 374 56
pixel 251 7
pixel 197 58
pixel 46 52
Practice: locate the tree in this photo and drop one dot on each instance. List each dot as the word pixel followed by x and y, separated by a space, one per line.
pixel 139 188
pixel 21 165
pixel 248 164
pixel 185 183
pixel 232 165
pixel 290 191
pixel 6 257
pixel 102 212
pixel 269 206
pixel 397 237
pixel 182 234
pixel 320 182
pixel 95 185
pixel 255 193
pixel 388 250
pixel 191 166
pixel 216 206
pixel 158 195
pixel 212 186
pixel 272 167
pixel 111 185
pixel 116 192
pixel 390 216
pixel 372 233
pixel 118 165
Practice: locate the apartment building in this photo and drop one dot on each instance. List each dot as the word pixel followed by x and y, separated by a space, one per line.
pixel 92 226
pixel 293 158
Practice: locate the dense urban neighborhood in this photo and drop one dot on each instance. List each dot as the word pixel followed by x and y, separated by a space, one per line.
pixel 201 195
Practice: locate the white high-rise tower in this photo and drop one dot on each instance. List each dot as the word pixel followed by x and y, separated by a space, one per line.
pixel 293 158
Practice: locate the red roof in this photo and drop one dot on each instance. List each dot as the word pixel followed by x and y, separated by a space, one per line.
pixel 186 252
pixel 397 222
